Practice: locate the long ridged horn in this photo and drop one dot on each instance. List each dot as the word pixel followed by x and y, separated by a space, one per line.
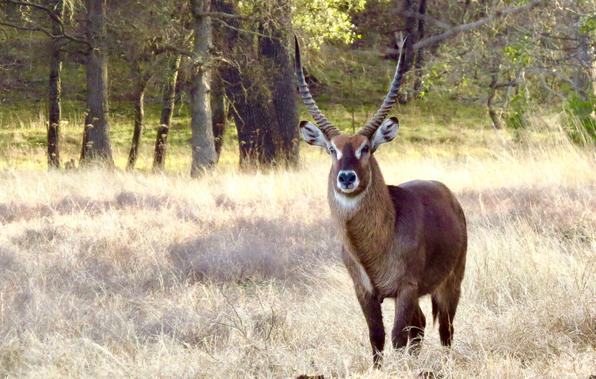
pixel 326 127
pixel 390 99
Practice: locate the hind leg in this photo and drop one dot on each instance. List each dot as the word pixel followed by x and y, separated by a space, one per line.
pixel 416 332
pixel 446 298
pixel 444 304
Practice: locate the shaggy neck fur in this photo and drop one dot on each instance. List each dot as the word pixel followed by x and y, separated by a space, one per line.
pixel 366 221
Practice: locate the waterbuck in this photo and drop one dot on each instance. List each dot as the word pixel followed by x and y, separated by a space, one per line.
pixel 401 242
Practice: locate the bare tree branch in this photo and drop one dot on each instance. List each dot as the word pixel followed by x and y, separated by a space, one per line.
pixel 222 15
pixel 560 37
pixel 453 31
pixel 174 49
pixel 475 25
pixel 55 18
pixel 425 17
pixel 241 30
pixel 556 74
pixel 163 48
pixel 49 11
pixel 511 83
pixel 30 29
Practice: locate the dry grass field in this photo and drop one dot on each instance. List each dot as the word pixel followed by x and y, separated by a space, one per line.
pixel 111 274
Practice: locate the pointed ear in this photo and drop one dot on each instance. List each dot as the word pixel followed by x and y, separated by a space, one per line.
pixel 386 133
pixel 313 135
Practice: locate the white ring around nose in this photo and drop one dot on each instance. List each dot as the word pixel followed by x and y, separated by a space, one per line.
pixel 355 185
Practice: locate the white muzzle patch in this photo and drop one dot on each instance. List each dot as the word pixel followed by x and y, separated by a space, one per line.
pixel 347 181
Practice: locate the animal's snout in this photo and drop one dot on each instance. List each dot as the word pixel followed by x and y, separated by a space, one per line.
pixel 346 177
pixel 347 180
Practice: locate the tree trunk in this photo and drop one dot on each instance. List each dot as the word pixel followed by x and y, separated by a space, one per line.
pixel 139 118
pixel 253 123
pixel 252 119
pixel 409 28
pixel 55 92
pixel 247 92
pixel 180 92
pixel 419 65
pixel 283 89
pixel 96 135
pixel 169 97
pixel 582 76
pixel 490 102
pixel 218 113
pixel 203 148
pixel 583 81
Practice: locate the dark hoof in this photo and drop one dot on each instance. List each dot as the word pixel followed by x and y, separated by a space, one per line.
pixel 429 375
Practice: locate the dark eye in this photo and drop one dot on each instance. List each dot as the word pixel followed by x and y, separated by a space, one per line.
pixel 332 151
pixel 364 150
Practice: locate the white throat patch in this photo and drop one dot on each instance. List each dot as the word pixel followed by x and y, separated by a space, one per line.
pixel 348 203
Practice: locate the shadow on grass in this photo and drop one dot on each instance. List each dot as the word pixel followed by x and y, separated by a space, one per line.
pixel 256 250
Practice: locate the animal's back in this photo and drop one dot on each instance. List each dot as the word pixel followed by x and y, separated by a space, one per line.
pixel 442 224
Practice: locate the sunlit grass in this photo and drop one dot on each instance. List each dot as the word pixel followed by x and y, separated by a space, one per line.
pixel 238 274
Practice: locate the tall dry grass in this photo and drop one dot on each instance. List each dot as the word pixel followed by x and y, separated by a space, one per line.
pixel 107 274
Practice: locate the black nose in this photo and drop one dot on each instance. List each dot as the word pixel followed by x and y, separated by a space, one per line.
pixel 346 178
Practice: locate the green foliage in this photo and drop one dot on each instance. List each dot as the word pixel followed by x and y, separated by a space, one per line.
pixel 580 122
pixel 326 20
pixel 588 25
pixel 515 113
pixel 518 54
pixel 434 76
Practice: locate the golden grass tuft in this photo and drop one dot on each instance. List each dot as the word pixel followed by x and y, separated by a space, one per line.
pixel 110 274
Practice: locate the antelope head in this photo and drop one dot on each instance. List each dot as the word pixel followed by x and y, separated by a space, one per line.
pixel 351 156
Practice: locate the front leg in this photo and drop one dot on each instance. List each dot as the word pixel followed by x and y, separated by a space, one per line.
pixel 371 307
pixel 405 305
pixel 370 304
